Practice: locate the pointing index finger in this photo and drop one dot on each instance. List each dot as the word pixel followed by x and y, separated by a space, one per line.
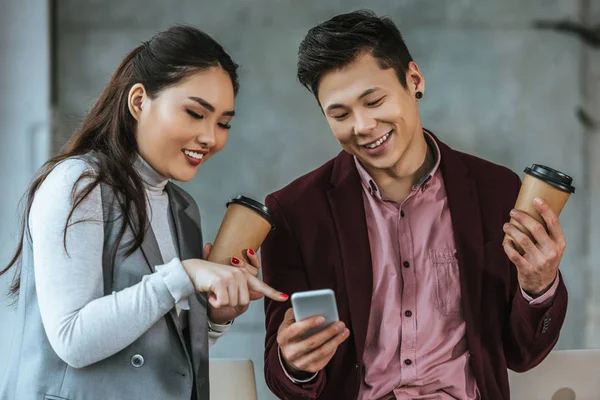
pixel 259 286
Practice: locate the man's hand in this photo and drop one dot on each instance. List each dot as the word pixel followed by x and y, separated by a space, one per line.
pixel 538 266
pixel 303 354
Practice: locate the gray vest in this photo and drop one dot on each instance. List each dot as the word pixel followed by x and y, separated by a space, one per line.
pixel 161 364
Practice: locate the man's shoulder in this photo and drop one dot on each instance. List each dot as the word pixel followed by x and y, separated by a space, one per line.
pixel 487 173
pixel 305 189
pixel 497 187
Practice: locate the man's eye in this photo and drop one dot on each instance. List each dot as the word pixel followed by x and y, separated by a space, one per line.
pixel 376 102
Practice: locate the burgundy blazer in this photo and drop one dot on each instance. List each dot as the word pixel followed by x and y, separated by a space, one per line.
pixel 321 241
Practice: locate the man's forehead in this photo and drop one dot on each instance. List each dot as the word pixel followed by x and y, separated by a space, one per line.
pixel 353 80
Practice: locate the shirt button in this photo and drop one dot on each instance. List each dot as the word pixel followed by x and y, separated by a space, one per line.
pixel 401 213
pixel 137 361
pixel 406 264
pixel 408 313
pixel 407 362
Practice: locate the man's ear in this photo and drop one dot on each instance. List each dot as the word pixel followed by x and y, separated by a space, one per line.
pixel 414 79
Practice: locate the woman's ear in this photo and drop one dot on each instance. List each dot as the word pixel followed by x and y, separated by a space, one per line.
pixel 136 100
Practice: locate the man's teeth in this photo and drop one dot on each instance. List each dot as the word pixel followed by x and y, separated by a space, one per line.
pixel 193 154
pixel 379 142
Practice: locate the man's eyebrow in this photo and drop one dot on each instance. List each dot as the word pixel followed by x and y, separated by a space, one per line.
pixel 363 94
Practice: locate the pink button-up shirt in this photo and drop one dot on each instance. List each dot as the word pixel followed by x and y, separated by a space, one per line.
pixel 416 345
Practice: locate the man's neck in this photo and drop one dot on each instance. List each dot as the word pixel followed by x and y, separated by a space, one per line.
pixel 397 183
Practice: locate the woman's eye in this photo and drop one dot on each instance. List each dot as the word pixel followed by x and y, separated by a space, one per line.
pixel 224 126
pixel 194 115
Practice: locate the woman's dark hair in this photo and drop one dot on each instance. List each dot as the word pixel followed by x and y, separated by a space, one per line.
pixel 336 43
pixel 108 131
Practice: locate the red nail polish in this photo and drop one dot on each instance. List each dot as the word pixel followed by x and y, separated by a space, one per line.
pixel 235 260
pixel 284 296
pixel 251 252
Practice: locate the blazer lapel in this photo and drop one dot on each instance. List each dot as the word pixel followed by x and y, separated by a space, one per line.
pixel 152 255
pixel 151 250
pixel 189 242
pixel 468 233
pixel 348 211
pixel 187 229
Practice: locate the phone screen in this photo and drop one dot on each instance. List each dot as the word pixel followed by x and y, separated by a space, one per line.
pixel 313 303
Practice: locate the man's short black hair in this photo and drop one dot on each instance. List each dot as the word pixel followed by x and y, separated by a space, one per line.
pixel 341 40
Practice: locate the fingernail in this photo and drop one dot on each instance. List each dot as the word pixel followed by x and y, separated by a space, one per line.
pixel 538 201
pixel 340 327
pixel 319 321
pixel 346 333
pixel 513 213
pixel 505 226
pixel 284 296
pixel 251 252
pixel 235 260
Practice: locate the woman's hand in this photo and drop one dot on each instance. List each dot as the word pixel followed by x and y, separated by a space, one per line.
pixel 230 288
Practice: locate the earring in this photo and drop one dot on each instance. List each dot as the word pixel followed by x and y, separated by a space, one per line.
pixel 419 95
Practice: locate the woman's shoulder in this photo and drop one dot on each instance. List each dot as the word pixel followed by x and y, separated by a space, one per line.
pixel 55 197
pixel 72 168
pixel 66 175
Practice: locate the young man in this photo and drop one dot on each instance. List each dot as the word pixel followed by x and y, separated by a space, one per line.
pixel 408 232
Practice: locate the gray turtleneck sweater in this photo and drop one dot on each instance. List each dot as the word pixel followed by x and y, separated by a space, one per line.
pixel 161 222
pixel 74 310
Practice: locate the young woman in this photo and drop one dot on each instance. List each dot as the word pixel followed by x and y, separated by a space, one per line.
pixel 115 300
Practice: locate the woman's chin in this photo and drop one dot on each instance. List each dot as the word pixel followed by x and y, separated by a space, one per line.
pixel 184 177
pixel 185 174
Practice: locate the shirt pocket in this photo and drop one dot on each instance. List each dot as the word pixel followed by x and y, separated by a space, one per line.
pixel 447 281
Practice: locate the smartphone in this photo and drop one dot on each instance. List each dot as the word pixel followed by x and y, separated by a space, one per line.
pixel 315 302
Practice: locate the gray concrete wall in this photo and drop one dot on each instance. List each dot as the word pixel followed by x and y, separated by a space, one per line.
pixel 495 87
pixel 24 117
pixel 590 90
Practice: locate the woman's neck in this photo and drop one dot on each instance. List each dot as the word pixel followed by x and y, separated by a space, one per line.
pixel 154 181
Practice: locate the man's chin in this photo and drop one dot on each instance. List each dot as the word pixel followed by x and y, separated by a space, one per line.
pixel 377 162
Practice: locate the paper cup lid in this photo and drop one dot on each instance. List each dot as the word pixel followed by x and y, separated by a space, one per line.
pixel 254 205
pixel 552 177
